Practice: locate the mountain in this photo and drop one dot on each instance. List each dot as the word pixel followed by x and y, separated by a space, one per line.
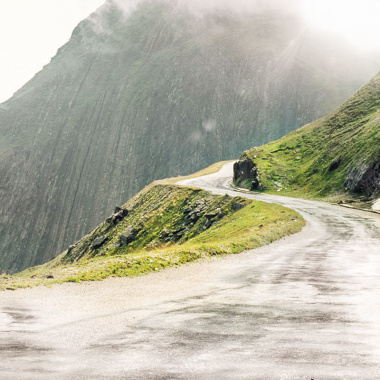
pixel 339 154
pixel 157 91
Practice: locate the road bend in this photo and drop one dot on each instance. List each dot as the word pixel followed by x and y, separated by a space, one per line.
pixel 305 307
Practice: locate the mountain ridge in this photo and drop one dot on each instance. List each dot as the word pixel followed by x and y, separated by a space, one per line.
pixel 155 94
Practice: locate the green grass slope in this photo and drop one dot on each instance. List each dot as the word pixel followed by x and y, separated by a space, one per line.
pixel 163 226
pixel 339 154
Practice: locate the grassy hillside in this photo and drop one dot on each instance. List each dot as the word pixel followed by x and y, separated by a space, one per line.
pixel 163 226
pixel 339 154
pixel 156 93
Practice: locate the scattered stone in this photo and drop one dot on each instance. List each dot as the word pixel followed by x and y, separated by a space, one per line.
pixel 193 216
pixel 164 234
pixel 128 236
pixel 177 234
pixel 213 214
pixel 208 224
pixel 236 206
pixel 98 242
pixel 335 164
pixel 71 248
pixel 119 216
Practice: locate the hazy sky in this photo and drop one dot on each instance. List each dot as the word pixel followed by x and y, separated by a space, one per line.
pixel 31 31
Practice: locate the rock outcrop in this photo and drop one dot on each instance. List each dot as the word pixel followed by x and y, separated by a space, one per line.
pixel 245 171
pixel 364 179
pixel 98 242
pixel 128 236
pixel 158 216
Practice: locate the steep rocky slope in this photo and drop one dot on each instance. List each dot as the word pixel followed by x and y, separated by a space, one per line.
pixel 338 154
pixel 163 226
pixel 155 93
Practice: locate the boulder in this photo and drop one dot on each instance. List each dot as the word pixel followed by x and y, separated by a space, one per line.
pixel 119 215
pixel 177 234
pixel 128 236
pixel 193 216
pixel 364 179
pixel 98 242
pixel 208 224
pixel 335 164
pixel 213 214
pixel 236 206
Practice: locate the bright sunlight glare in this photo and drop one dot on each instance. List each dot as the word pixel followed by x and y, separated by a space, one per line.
pixel 356 20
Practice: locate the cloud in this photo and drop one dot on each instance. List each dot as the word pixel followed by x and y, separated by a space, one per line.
pixel 240 6
pixel 97 19
pixel 127 6
pixel 203 7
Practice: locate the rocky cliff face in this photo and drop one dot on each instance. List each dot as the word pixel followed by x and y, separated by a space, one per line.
pixel 155 93
pixel 364 179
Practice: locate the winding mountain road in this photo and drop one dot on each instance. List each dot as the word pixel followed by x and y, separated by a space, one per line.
pixel 305 307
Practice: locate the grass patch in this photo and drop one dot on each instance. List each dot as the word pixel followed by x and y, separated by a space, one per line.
pixel 318 160
pixel 214 226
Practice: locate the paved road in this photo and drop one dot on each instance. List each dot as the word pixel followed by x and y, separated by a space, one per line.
pixel 304 307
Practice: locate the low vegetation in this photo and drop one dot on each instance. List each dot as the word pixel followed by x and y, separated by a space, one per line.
pixel 164 226
pixel 337 157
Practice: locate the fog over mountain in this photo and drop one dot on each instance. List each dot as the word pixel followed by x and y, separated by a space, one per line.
pixel 150 89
